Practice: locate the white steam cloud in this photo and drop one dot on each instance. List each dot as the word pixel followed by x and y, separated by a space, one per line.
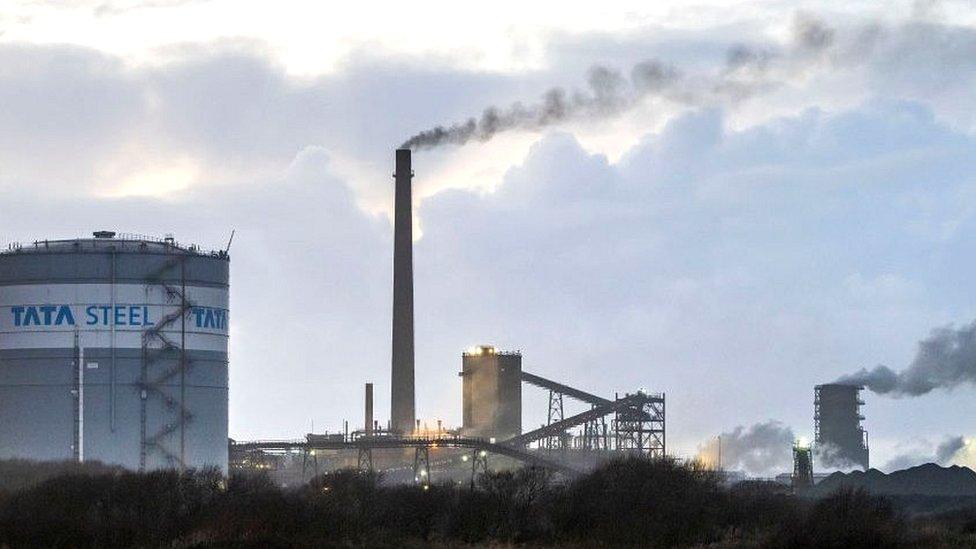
pixel 944 360
pixel 762 449
pixel 948 452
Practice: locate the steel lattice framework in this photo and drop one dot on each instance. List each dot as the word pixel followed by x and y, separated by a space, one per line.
pixel 637 424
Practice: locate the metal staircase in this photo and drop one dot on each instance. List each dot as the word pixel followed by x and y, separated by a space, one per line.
pixel 159 348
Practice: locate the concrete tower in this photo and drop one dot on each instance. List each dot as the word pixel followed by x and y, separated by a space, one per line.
pixel 402 409
pixel 841 441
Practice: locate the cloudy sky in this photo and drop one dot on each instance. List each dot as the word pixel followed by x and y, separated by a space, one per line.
pixel 739 201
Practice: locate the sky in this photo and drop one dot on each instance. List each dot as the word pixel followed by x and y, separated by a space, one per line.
pixel 792 201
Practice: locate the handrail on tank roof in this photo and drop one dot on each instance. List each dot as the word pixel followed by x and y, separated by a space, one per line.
pixel 17 247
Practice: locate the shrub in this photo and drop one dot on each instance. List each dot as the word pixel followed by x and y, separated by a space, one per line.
pixel 848 518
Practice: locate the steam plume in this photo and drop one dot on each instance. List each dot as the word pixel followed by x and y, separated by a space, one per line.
pixel 946 453
pixel 946 359
pixel 747 71
pixel 831 456
pixel 948 449
pixel 761 449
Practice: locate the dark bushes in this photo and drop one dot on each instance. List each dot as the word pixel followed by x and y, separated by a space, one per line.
pixel 637 501
pixel 633 502
pixel 849 518
pixel 121 509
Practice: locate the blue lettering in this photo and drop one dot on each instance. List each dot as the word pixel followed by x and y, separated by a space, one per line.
pixel 92 317
pixel 32 317
pixel 18 315
pixel 134 316
pixel 145 317
pixel 105 309
pixel 47 310
pixel 198 313
pixel 119 316
pixel 64 316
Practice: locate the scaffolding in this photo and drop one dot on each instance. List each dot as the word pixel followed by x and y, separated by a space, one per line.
pixel 640 428
pixel 802 479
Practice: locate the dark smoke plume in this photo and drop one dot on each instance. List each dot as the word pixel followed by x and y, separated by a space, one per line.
pixel 608 93
pixel 747 72
pixel 946 359
pixel 761 449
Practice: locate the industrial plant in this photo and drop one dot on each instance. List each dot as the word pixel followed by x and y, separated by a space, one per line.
pixel 114 348
pixel 492 383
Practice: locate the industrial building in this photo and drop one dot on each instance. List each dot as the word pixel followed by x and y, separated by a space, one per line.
pixel 492 393
pixel 114 348
pixel 492 383
pixel 841 442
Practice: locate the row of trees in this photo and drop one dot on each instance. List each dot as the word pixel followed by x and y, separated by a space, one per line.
pixel 631 501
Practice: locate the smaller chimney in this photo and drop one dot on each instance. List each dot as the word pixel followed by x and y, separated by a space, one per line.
pixel 369 409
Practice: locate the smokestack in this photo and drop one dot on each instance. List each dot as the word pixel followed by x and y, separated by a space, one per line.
pixel 402 410
pixel 368 422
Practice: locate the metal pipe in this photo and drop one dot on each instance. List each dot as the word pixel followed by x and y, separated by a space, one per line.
pixel 111 396
pixel 81 404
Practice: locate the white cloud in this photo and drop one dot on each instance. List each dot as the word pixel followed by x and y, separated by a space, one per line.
pixel 733 256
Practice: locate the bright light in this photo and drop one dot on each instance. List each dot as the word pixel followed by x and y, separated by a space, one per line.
pixel 803 442
pixel 423 473
pixel 464 458
pixel 484 453
pixel 479 350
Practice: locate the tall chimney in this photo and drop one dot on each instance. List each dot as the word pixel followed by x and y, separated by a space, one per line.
pixel 402 410
pixel 368 420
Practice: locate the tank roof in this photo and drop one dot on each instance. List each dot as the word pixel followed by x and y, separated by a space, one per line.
pixel 105 241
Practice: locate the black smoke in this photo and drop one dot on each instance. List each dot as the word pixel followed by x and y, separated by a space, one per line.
pixel 608 93
pixel 748 71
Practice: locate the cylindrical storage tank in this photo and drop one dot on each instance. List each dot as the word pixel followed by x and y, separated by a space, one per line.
pixel 114 349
